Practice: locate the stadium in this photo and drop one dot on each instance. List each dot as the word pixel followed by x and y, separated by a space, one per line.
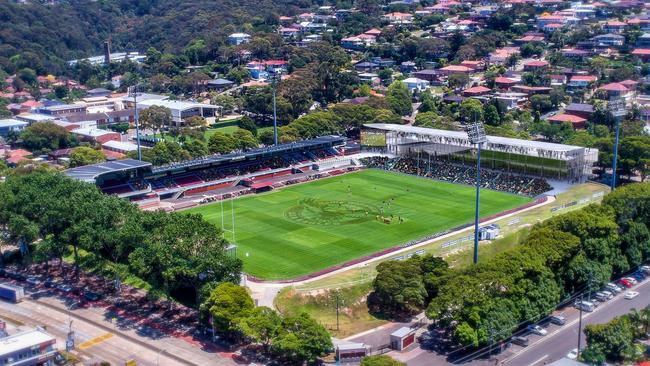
pixel 300 209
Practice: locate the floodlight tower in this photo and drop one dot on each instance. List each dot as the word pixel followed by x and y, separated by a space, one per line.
pixel 274 78
pixel 133 92
pixel 476 135
pixel 618 111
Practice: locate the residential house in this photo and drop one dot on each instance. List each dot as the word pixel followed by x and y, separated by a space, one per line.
pixel 455 69
pixel 289 33
pixel 575 53
pixel 429 75
pixel 474 65
pixel 220 84
pixel 615 90
pixel 476 91
pixel 366 66
pixel 557 80
pixel 407 67
pixel 535 65
pixel 608 40
pixel 369 78
pixel 501 55
pixel 96 135
pixel 552 27
pixel 504 83
pixel 236 39
pixel 529 38
pixel 398 18
pixel 63 109
pixel 98 92
pixel 642 53
pixel 583 110
pixel 577 122
pixel 543 20
pixel 643 41
pixel 615 26
pixel 416 85
pixel 582 81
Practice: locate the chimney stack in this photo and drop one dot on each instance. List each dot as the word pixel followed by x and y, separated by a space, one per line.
pixel 107 52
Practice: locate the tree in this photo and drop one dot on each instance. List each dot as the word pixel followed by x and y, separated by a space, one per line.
pixel 399 98
pixel 228 103
pixel 471 110
pixel 301 339
pixel 46 136
pixel 248 124
pixel 381 360
pixel 262 325
pixel 156 118
pixel 244 139
pixel 398 288
pixel 195 121
pixel 541 103
pixel 614 340
pixel 457 80
pixel 228 304
pixel 492 117
pixel 221 143
pixel 85 156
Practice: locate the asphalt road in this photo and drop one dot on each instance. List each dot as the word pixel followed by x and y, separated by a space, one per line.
pixel 556 344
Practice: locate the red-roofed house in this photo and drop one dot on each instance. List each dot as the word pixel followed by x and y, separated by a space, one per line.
pixel 576 121
pixel 615 26
pixel 552 27
pixel 476 91
pixel 535 65
pixel 16 156
pixel 474 65
pixel 615 89
pixel 526 39
pixel 582 81
pixel 455 69
pixel 398 18
pixel 642 53
pixel 373 32
pixel 630 84
pixel 504 83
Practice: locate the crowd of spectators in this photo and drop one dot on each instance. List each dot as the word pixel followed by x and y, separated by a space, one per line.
pixel 447 171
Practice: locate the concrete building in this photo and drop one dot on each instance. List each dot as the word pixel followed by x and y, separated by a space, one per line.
pixel 236 39
pixel 182 109
pixel 29 348
pixel 416 85
pixel 7 125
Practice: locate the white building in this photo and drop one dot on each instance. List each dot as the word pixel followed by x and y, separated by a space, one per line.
pixel 29 348
pixel 236 39
pixel 8 125
pixel 416 85
pixel 182 109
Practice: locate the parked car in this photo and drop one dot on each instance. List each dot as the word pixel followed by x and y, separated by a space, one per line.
pixel 32 280
pixel 65 288
pixel 92 296
pixel 613 287
pixel 558 320
pixel 520 341
pixel 645 269
pixel 573 354
pixel 631 294
pixel 631 279
pixel 585 306
pixel 536 329
pixel 608 294
pixel 625 283
pixel 601 297
pixel 638 276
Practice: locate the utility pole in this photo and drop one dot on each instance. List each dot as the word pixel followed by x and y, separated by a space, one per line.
pixel 477 136
pixel 337 309
pixel 617 109
pixel 579 326
pixel 274 80
pixel 133 91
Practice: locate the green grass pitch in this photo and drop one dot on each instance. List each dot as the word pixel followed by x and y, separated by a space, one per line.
pixel 308 227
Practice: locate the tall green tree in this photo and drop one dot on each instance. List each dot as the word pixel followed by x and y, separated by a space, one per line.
pixel 399 98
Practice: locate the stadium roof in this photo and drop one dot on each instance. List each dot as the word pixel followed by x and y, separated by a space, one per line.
pixel 239 156
pixel 89 173
pixel 498 140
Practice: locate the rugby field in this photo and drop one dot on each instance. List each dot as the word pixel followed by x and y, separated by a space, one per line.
pixel 308 227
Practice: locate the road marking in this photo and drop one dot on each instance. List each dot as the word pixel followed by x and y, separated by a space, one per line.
pixel 539 360
pixel 93 341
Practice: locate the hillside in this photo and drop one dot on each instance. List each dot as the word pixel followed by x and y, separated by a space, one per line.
pixel 43 37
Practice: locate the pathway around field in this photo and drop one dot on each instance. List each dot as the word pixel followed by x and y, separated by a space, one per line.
pixel 265 292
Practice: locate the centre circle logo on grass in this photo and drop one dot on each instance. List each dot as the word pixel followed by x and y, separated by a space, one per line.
pixel 312 211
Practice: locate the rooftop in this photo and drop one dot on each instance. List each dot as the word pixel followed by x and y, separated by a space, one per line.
pixel 89 173
pixel 10 122
pixel 23 340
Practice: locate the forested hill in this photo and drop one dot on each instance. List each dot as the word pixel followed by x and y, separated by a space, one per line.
pixel 43 37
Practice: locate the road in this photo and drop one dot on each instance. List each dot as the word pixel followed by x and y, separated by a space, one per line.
pixel 559 341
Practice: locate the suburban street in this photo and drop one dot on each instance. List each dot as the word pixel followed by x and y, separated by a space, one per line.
pixel 559 341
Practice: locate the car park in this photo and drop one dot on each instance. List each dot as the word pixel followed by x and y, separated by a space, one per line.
pixel 558 319
pixel 631 294
pixel 520 341
pixel 536 329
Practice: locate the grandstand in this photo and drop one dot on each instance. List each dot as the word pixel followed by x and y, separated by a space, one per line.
pixel 253 170
pixel 501 154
